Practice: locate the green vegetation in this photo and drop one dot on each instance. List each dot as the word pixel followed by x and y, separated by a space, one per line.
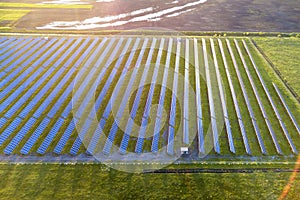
pixel 98 182
pixel 8 17
pixel 284 53
pixel 31 5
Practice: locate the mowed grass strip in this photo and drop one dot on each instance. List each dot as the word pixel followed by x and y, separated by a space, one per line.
pixel 98 182
pixel 31 5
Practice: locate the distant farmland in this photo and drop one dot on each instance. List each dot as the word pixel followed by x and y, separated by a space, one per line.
pixel 221 99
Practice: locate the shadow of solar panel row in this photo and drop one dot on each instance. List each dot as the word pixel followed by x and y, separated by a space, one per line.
pixel 11 48
pixel 126 95
pixel 27 95
pixel 235 102
pixel 278 149
pixel 158 123
pixel 65 137
pixel 104 90
pixel 137 99
pixel 249 107
pixel 35 136
pixel 6 41
pixel 26 64
pixel 41 93
pixel 17 53
pixel 142 132
pixel 54 93
pixel 222 98
pixel 97 133
pixel 26 55
pixel 287 108
pixel 50 136
pixel 21 134
pixel 100 77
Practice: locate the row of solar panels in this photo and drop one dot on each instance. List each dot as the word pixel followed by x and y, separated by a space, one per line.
pixel 68 73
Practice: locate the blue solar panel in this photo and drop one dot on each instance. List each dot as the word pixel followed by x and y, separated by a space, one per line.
pixel 129 86
pixel 66 52
pixel 3 39
pixel 20 89
pixel 67 110
pixel 3 120
pixel 58 52
pixel 257 131
pixel 138 95
pixel 24 56
pixel 198 100
pixel 48 52
pixel 142 132
pixel 7 42
pixel 53 94
pixel 156 134
pixel 49 138
pixel 103 91
pixel 43 50
pixel 235 102
pixel 76 53
pixel 16 44
pixel 96 137
pixel 19 52
pixel 110 139
pixel 65 137
pixel 211 99
pixel 34 137
pixel 17 139
pixel 287 108
pixel 41 93
pixel 170 145
pixel 84 129
pixel 87 52
pixel 10 129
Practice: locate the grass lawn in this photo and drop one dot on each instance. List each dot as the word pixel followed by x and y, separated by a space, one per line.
pixel 29 5
pixel 284 53
pixel 98 182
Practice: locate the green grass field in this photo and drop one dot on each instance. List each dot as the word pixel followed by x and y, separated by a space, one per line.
pixel 98 182
pixel 284 53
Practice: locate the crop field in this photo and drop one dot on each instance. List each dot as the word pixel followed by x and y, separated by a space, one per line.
pixel 97 95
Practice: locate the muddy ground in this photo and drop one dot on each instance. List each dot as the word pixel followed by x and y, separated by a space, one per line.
pixel 214 15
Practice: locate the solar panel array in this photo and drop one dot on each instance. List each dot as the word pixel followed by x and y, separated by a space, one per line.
pixel 39 78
